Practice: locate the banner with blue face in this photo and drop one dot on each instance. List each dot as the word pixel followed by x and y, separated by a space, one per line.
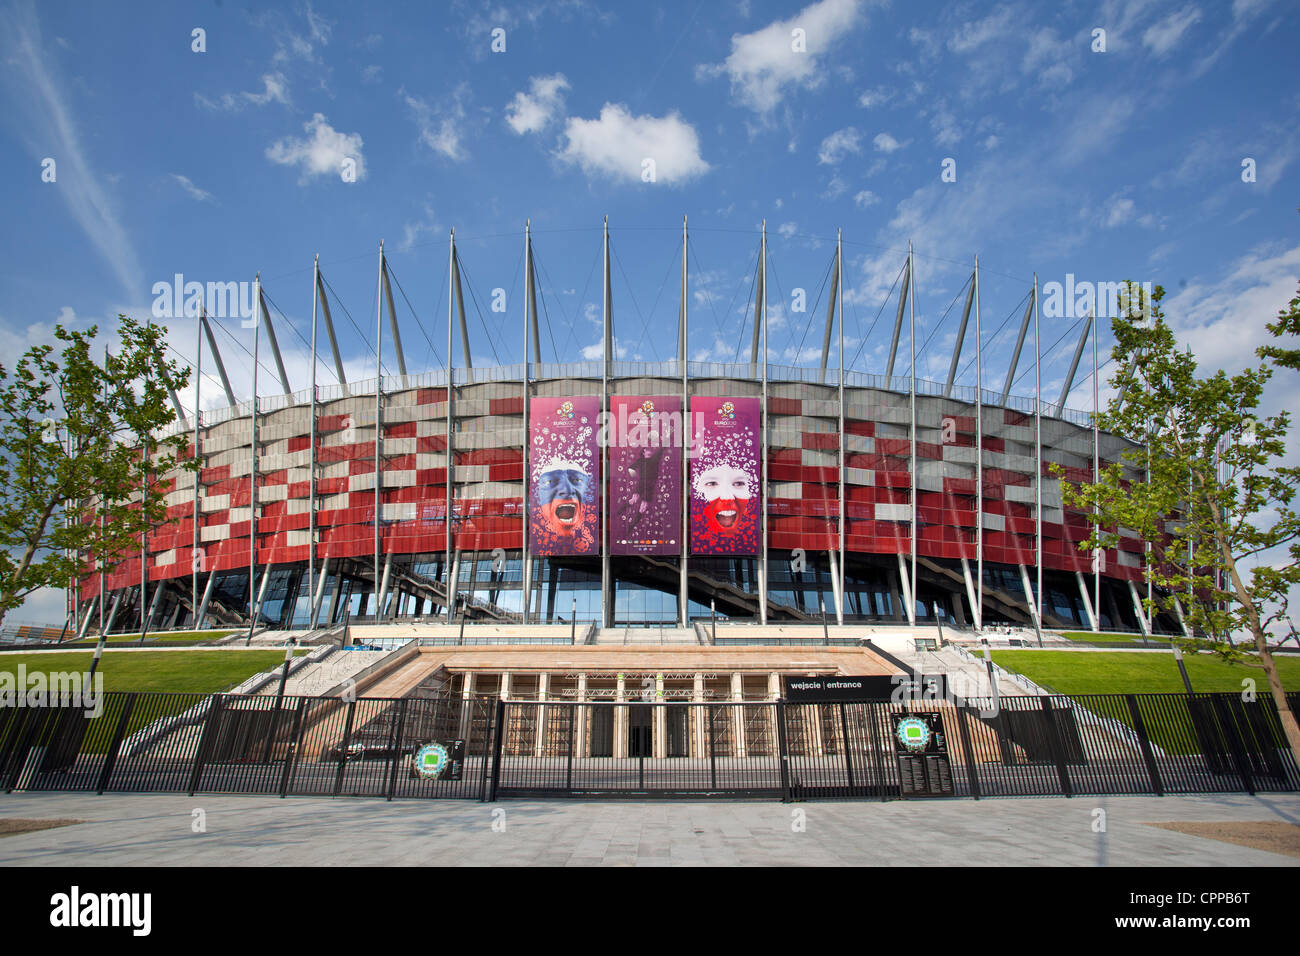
pixel 564 476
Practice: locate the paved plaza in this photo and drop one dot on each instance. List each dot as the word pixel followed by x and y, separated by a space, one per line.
pixel 159 829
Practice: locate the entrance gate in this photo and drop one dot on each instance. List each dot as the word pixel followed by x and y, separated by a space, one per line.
pixel 326 746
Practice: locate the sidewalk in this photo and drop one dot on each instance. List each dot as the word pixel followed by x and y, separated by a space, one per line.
pixel 126 830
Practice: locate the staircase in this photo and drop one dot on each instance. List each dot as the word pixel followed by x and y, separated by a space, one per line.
pixel 659 636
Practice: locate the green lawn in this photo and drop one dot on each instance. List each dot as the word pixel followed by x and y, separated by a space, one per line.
pixel 1168 722
pixel 1088 637
pixel 165 638
pixel 175 671
pixel 1118 672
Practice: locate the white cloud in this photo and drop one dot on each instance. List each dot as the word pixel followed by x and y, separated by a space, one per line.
pixel 320 153
pixel 835 188
pixel 885 143
pixel 275 89
pixel 374 73
pixel 533 111
pixel 617 144
pixel 866 198
pixel 944 124
pixel 1118 211
pixel 839 144
pixel 442 128
pixel 202 195
pixel 977 33
pixel 51 131
pixel 412 232
pixel 1164 35
pixel 763 66
pixel 1223 321
pixel 878 96
pixel 787 229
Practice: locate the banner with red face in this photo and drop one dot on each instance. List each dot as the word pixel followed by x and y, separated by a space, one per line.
pixel 564 476
pixel 725 470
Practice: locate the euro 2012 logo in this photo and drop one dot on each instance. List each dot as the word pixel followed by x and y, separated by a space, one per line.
pixel 728 410
pixel 647 407
pixel 565 410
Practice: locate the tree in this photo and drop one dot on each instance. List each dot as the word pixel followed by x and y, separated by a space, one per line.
pixel 1205 485
pixel 71 434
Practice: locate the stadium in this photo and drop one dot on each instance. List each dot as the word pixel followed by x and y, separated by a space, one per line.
pixel 474 495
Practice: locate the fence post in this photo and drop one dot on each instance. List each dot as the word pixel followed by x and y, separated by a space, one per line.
pixel 119 734
pixel 497 747
pixel 878 712
pixel 291 758
pixel 395 746
pixel 972 772
pixel 15 753
pixel 1144 741
pixel 210 725
pixel 343 747
pixel 568 775
pixel 713 752
pixel 1234 743
pixel 848 757
pixel 783 748
pixel 1055 743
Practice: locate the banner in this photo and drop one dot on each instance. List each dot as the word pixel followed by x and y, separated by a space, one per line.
pixel 644 438
pixel 725 484
pixel 564 476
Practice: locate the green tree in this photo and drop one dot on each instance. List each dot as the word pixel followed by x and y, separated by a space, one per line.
pixel 1205 485
pixel 71 431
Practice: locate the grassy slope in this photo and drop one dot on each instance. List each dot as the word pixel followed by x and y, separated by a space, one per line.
pixel 197 671
pixel 1117 672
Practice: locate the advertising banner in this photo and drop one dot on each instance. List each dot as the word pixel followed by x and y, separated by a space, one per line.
pixel 564 476
pixel 725 483
pixel 645 474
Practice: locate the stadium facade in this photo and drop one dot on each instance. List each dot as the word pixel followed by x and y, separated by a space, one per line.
pixel 854 497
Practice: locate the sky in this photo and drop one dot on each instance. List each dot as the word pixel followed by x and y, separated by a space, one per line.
pixel 1145 140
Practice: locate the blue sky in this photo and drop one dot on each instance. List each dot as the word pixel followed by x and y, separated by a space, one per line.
pixel 1107 165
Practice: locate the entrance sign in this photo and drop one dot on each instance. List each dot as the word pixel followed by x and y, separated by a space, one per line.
pixel 564 476
pixel 921 749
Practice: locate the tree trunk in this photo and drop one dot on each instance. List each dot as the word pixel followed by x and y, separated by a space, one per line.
pixel 15 580
pixel 1284 712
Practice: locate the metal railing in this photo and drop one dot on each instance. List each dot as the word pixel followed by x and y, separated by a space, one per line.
pixel 1008 746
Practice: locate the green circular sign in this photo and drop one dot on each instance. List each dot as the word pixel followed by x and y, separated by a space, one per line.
pixel 913 733
pixel 431 760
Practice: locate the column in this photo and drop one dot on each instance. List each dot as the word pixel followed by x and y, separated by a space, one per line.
pixel 580 731
pixel 467 707
pixel 543 686
pixel 701 720
pixel 661 719
pixel 504 694
pixel 773 693
pixel 620 721
pixel 738 695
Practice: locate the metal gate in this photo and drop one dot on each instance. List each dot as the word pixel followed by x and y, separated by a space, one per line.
pixel 329 746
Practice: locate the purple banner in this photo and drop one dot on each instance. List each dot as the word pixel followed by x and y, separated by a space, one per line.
pixel 725 485
pixel 645 474
pixel 564 476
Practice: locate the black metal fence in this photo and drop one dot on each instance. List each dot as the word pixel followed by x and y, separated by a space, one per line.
pixel 225 743
pixel 1058 745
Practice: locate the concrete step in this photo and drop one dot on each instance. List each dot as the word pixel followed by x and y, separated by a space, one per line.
pixel 647 635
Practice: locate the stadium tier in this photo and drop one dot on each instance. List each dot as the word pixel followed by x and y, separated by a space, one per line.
pixel 634 493
pixel 472 449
